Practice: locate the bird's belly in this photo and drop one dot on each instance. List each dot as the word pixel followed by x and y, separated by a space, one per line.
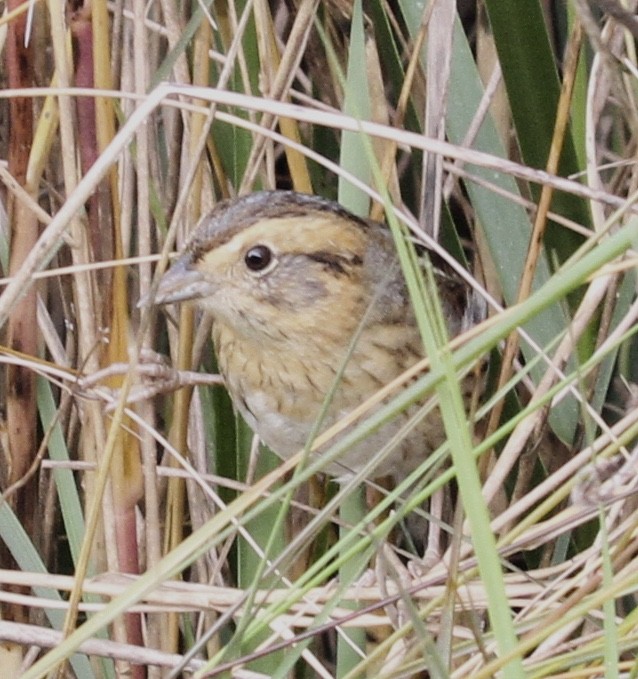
pixel 281 395
pixel 286 435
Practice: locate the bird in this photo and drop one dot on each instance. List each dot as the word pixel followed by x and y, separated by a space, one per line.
pixel 311 315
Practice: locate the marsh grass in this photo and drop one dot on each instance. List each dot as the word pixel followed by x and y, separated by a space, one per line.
pixel 142 527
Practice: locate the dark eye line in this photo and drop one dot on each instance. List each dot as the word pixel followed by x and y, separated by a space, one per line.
pixel 339 264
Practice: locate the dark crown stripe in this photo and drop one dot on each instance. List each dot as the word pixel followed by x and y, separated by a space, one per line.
pixel 229 218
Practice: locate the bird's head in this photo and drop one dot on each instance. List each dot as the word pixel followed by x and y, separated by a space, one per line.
pixel 282 265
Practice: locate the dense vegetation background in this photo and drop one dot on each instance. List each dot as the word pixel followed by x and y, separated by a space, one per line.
pixel 139 530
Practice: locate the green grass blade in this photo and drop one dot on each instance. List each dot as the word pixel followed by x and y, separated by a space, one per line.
pixel 26 556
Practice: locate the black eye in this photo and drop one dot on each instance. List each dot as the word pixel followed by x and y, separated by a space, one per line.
pixel 258 257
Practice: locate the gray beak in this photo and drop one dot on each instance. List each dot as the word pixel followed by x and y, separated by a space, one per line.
pixel 181 283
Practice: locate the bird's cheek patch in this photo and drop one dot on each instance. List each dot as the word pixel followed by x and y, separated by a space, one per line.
pixel 291 291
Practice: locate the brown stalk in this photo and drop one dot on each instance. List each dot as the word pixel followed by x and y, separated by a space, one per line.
pixel 176 494
pixel 280 72
pixel 98 205
pixel 145 409
pixel 22 330
pixel 540 221
pixel 126 479
pixel 96 128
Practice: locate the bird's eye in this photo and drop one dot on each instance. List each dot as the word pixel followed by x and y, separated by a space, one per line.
pixel 258 257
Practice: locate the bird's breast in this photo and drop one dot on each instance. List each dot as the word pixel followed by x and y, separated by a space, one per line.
pixel 278 392
pixel 281 394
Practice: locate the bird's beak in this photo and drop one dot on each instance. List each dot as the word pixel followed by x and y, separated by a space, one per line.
pixel 181 283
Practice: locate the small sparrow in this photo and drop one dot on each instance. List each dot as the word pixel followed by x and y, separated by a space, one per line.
pixel 308 302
